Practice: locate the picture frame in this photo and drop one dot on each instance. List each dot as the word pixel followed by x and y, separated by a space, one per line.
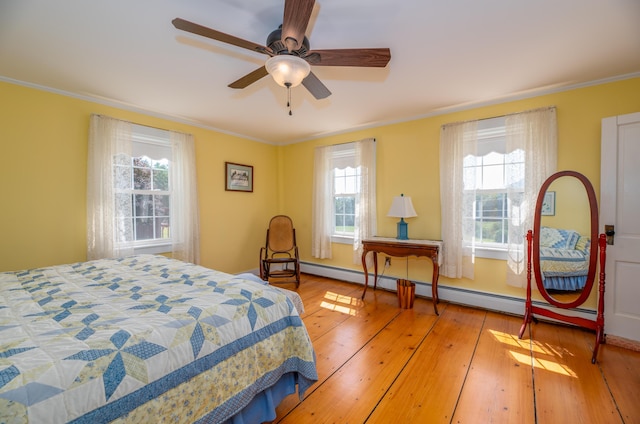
pixel 238 177
pixel 549 204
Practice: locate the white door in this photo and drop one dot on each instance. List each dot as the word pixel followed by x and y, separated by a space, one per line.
pixel 620 207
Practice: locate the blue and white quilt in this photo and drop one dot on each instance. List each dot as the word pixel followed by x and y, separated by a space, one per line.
pixel 564 258
pixel 142 339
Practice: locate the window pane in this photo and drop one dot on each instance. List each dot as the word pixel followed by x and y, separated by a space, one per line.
pixel 351 184
pixel 339 222
pixel 349 222
pixel 339 205
pixel 492 177
pixel 144 228
pixel 349 205
pixel 143 205
pixel 141 179
pixel 161 203
pixel 160 180
pixel 472 178
pixel 493 158
pixel 492 231
pixel 162 228
pixel 142 162
pixel 339 186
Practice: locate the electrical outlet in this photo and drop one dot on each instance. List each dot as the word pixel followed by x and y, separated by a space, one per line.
pixel 387 262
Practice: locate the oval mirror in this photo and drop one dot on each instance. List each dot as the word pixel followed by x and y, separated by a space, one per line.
pixel 565 239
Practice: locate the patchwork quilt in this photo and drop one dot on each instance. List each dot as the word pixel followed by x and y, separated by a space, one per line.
pixel 564 258
pixel 142 339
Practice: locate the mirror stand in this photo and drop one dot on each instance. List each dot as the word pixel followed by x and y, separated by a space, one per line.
pixel 597 325
pixel 560 256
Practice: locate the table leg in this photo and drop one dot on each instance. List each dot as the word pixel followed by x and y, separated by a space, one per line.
pixel 366 273
pixel 434 284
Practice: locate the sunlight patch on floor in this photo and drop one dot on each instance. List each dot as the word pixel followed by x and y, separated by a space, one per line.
pixel 513 340
pixel 544 364
pixel 339 303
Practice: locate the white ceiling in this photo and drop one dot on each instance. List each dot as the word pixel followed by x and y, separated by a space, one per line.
pixel 445 55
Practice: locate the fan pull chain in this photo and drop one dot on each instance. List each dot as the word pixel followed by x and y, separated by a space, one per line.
pixel 288 85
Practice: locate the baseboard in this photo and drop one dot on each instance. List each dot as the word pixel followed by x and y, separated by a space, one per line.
pixel 488 301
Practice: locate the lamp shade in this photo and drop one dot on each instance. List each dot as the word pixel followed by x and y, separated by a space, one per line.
pixel 402 207
pixel 287 70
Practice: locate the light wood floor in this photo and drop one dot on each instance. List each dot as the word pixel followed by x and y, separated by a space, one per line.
pixel 381 364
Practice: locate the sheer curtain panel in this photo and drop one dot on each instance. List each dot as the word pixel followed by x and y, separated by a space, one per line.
pixel 185 228
pixel 109 141
pixel 536 133
pixel 532 132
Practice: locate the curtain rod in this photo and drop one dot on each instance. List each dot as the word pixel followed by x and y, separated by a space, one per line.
pixel 135 123
pixel 500 116
pixel 348 142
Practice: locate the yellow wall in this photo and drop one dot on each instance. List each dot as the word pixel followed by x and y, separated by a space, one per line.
pixel 408 162
pixel 43 151
pixel 43 148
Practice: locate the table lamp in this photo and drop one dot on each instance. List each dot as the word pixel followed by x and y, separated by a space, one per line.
pixel 402 208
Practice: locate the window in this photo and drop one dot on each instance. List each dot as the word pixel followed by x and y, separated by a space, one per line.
pixel 346 186
pixel 493 186
pixel 490 173
pixel 343 196
pixel 346 189
pixel 141 191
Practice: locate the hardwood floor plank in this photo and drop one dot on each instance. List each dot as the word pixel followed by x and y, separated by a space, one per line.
pixel 499 386
pixel 349 394
pixel 427 390
pixel 568 387
pixel 621 371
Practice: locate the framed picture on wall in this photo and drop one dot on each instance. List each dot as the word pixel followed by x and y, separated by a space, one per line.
pixel 238 177
pixel 549 204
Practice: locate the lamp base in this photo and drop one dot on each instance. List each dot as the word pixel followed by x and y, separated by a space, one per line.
pixel 403 230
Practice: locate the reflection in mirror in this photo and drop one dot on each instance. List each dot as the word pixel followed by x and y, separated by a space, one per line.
pixel 565 239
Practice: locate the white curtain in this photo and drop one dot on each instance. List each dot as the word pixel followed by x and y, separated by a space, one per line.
pixel 534 132
pixel 322 214
pixel 363 158
pixel 108 139
pixel 185 227
pixel 108 231
pixel 456 142
pixel 366 217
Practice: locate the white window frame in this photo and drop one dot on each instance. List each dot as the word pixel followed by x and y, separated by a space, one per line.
pixel 491 137
pixel 152 143
pixel 340 161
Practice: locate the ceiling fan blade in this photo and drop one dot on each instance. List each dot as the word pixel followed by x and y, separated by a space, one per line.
pixel 250 78
pixel 315 86
pixel 376 58
pixel 219 36
pixel 294 23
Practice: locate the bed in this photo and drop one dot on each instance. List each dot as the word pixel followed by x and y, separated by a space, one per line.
pixel 564 259
pixel 147 339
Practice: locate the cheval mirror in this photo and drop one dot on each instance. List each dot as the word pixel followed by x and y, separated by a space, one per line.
pixel 564 248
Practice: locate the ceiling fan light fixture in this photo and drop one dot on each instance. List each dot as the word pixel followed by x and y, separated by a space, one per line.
pixel 287 70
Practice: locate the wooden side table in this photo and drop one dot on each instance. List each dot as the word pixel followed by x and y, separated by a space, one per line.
pixel 403 248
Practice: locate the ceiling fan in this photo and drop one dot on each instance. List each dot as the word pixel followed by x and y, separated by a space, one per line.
pixel 290 55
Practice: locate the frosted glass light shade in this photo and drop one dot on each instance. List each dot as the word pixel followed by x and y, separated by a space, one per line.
pixel 287 70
